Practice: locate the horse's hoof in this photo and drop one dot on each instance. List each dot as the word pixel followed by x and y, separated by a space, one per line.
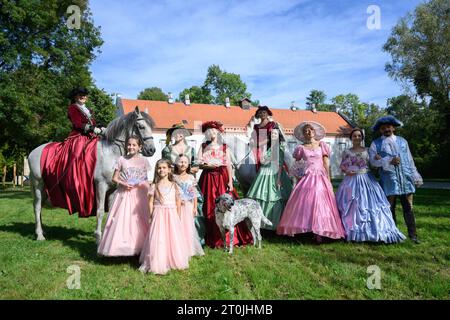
pixel 40 237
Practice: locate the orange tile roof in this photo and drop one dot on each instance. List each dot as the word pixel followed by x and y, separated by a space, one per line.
pixel 165 115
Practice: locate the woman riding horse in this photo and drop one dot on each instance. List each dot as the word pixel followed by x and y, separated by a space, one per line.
pixel 68 166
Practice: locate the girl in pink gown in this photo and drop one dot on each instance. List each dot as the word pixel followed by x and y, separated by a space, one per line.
pixel 127 222
pixel 312 205
pixel 188 196
pixel 165 246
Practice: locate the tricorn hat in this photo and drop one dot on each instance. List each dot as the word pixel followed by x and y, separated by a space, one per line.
pixel 80 91
pixel 386 120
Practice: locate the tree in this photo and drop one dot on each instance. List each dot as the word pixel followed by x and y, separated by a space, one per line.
pixel 196 95
pixel 153 93
pixel 316 98
pixel 41 61
pixel 102 106
pixel 222 84
pixel 350 105
pixel 420 49
pixel 420 127
pixel 419 46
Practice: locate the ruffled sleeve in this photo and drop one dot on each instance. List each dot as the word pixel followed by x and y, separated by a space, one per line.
pixel 147 165
pixel 325 149
pixel 416 175
pixel 344 161
pixel 298 152
pixel 118 164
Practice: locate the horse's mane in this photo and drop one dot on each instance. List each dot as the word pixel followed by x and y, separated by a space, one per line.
pixel 126 123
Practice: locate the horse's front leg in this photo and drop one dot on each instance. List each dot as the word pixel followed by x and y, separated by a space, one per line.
pixel 100 196
pixel 39 197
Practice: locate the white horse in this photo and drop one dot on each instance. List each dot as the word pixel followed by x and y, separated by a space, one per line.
pixel 109 149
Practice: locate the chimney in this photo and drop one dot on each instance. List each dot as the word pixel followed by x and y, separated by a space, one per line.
pixel 170 98
pixel 245 103
pixel 313 108
pixel 187 101
pixel 227 102
pixel 293 107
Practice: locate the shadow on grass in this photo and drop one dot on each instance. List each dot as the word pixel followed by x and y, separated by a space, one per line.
pixel 303 238
pixel 16 195
pixel 82 241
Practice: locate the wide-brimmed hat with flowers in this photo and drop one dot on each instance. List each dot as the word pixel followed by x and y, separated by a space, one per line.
pixel 177 126
pixel 319 130
pixel 212 125
pixel 386 120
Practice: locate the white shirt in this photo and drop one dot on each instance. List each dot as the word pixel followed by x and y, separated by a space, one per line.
pixel 389 145
pixel 84 109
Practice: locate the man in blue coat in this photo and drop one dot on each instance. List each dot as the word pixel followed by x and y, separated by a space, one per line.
pixel 398 174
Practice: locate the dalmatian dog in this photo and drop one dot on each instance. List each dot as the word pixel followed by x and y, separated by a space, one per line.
pixel 230 212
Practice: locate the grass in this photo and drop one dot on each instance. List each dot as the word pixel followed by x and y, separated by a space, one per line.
pixel 286 268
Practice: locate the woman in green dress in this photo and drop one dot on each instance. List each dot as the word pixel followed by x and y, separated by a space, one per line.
pixel 272 186
pixel 176 146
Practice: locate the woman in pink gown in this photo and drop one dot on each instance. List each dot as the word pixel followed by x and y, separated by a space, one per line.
pixel 312 205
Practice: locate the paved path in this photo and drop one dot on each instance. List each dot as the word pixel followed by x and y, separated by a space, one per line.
pixel 427 185
pixel 436 185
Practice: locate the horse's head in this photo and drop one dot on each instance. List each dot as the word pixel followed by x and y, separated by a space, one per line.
pixel 133 123
pixel 143 127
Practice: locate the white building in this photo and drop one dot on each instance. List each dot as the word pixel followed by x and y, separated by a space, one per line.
pixel 235 120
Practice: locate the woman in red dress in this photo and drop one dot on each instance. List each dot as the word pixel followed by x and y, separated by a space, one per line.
pixel 68 167
pixel 215 180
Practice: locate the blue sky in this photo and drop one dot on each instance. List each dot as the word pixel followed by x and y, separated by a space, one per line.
pixel 282 49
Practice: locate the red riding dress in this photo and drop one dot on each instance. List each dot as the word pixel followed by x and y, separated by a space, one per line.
pixel 213 183
pixel 68 167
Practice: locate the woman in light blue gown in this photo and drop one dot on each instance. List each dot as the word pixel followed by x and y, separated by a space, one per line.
pixel 362 204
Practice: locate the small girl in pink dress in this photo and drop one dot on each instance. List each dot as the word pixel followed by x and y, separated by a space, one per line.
pixel 188 196
pixel 127 222
pixel 165 246
pixel 312 205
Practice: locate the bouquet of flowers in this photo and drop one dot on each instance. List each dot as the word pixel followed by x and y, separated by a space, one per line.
pixel 353 164
pixel 298 169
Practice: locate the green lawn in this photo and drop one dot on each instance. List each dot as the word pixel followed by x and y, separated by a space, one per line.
pixel 286 268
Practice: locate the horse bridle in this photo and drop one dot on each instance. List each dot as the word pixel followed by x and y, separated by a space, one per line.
pixel 122 143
